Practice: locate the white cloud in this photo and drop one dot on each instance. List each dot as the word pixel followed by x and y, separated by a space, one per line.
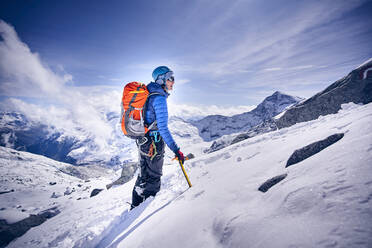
pixel 273 69
pixel 182 81
pixel 301 67
pixel 24 67
pixel 111 79
pixel 186 111
pixel 27 76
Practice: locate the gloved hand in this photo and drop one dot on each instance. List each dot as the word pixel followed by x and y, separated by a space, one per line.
pixel 180 156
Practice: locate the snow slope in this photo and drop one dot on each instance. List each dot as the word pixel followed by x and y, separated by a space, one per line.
pixel 325 201
pixel 32 183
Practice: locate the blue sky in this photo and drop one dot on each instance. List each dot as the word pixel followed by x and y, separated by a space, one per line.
pixel 223 53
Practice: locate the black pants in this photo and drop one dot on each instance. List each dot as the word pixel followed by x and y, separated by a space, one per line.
pixel 151 169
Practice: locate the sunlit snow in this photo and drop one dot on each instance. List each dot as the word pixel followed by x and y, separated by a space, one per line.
pixel 325 201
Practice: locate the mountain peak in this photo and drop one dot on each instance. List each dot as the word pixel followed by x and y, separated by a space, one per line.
pixel 213 127
pixel 278 93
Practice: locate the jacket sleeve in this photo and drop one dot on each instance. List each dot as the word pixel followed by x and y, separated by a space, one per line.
pixel 161 113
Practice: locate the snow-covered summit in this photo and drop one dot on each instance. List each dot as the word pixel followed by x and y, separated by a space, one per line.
pixel 275 104
pixel 215 126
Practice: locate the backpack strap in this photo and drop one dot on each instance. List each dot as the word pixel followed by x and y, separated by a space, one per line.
pixel 145 108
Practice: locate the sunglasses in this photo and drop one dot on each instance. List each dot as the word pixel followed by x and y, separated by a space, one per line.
pixel 171 78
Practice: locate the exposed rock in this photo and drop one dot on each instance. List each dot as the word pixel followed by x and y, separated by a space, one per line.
pixel 95 192
pixel 309 150
pixel 55 195
pixel 4 192
pixel 271 182
pixel 219 144
pixel 266 126
pixel 355 87
pixel 52 183
pixel 69 191
pixel 126 174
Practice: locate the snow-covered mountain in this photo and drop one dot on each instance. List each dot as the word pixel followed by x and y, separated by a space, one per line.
pixel 355 87
pixel 75 146
pixel 20 133
pixel 215 126
pixel 322 201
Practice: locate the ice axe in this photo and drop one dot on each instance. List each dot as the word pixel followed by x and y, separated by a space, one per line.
pixel 183 168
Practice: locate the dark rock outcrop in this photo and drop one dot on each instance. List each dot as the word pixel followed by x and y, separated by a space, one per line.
pixel 355 87
pixel 265 127
pixel 95 192
pixel 126 174
pixel 309 150
pixel 271 182
pixel 5 192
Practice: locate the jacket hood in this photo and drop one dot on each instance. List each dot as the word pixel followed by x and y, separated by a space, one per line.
pixel 156 88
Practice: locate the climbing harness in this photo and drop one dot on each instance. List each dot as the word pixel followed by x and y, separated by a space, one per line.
pixel 152 149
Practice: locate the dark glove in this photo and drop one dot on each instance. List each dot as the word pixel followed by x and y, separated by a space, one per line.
pixel 180 156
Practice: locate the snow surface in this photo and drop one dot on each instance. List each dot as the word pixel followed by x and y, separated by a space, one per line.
pixel 35 183
pixel 325 201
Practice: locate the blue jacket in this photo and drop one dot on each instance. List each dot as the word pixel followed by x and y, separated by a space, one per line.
pixel 157 110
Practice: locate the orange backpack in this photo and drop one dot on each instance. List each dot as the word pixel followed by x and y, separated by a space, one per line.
pixel 134 98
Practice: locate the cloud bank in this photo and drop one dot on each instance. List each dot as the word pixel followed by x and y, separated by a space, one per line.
pixel 23 74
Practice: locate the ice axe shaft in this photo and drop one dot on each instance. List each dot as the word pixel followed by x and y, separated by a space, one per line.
pixel 184 173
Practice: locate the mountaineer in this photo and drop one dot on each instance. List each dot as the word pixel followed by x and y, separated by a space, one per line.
pixel 151 147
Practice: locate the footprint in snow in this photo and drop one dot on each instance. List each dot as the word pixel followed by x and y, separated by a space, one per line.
pixel 198 194
pixel 301 200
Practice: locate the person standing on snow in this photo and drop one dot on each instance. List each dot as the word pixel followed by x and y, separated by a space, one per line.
pixel 151 147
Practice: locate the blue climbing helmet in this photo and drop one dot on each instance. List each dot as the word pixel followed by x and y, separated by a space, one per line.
pixel 161 74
